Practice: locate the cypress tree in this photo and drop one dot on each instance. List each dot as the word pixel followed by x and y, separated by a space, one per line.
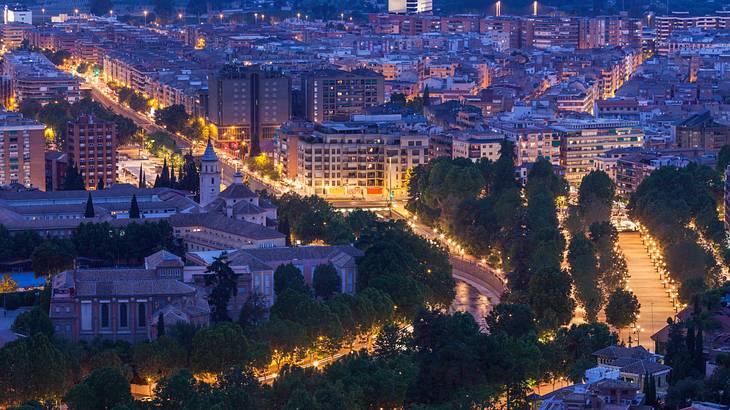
pixel 649 390
pixel 699 355
pixel 73 181
pixel 100 184
pixel 144 180
pixel 173 182
pixel 160 325
pixel 134 208
pixel 141 177
pixel 89 213
pixel 165 175
pixel 157 182
pixel 426 96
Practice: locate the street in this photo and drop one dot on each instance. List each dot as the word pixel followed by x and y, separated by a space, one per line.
pixel 644 281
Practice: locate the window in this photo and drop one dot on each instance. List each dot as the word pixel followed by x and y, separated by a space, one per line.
pixel 86 316
pixel 141 315
pixel 123 315
pixel 104 315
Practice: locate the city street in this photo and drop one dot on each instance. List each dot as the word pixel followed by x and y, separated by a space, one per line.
pixel 644 282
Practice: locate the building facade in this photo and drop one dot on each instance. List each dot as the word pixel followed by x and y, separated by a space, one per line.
pixel 582 141
pixel 357 159
pixel 701 131
pixel 91 145
pixel 333 95
pixel 22 147
pixel 248 104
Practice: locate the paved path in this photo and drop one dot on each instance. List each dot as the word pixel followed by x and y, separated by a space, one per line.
pixel 644 281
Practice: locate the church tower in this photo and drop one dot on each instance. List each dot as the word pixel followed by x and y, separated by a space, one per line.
pixel 210 176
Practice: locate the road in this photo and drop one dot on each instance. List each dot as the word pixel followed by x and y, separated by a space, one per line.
pixel 644 281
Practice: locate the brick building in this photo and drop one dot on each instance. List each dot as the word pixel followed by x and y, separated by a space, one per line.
pixel 91 145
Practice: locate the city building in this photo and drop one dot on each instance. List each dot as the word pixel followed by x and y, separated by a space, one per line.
pixel 633 365
pixel 334 95
pixel 410 6
pixel 476 147
pixel 22 147
pixel 632 169
pixel 213 231
pixel 91 144
pixel 248 104
pixel 125 304
pixel 701 131
pixel 17 13
pixel 582 141
pixel 12 35
pixel 666 25
pixel 34 77
pixel 357 159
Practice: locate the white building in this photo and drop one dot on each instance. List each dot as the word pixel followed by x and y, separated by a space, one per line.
pixel 16 13
pixel 475 147
pixel 410 6
pixel 210 176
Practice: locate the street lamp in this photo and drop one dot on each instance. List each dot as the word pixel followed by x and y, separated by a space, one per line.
pixel 111 13
pixel 221 17
pixel 255 18
pixel 43 10
pixel 145 17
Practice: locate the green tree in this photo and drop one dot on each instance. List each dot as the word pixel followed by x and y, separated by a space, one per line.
pixel 35 369
pixel 33 321
pixel 253 311
pixel 218 348
pixel 326 281
pixel 723 158
pixel 52 257
pixel 512 320
pixel 289 277
pixel 100 184
pixel 134 208
pixel 622 308
pixel 89 213
pixel 73 181
pixel 158 359
pixel 102 389
pixel 549 296
pixel 100 7
pixel 221 277
pixel 182 391
pixel 584 270
pixel 174 118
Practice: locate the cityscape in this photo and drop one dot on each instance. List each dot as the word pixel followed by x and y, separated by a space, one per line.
pixel 379 204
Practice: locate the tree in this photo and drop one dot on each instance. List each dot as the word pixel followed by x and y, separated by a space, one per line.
pixel 220 275
pixel 165 9
pixel 8 284
pixel 73 181
pixel 160 325
pixel 549 296
pixel 100 7
pixel 174 118
pixel 595 198
pixel 392 341
pixel 426 96
pixel 182 391
pixel 50 258
pixel 253 310
pixel 583 266
pixel 289 277
pixel 34 369
pixel 649 390
pixel 326 281
pixel 134 208
pixel 32 322
pixel 220 347
pixel 512 320
pixel 158 359
pixel 723 158
pixel 89 213
pixel 100 184
pixel 622 309
pixel 102 389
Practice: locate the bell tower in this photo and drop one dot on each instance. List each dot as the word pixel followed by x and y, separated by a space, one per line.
pixel 210 175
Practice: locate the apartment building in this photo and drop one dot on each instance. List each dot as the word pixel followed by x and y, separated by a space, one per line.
pixel 248 104
pixel 91 144
pixel 34 77
pixel 357 159
pixel 532 142
pixel 476 147
pixel 13 34
pixel 701 131
pixel 17 13
pixel 334 95
pixel 410 6
pixel 22 146
pixel 582 141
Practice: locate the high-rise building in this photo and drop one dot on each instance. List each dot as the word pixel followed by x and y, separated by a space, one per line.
pixel 17 13
pixel 91 145
pixel 248 104
pixel 545 32
pixel 22 148
pixel 410 6
pixel 582 141
pixel 334 95
pixel 665 25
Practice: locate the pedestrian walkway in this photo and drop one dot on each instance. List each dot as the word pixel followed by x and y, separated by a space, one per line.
pixel 644 282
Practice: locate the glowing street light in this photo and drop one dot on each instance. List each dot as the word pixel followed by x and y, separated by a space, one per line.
pixel 534 8
pixel 145 16
pixel 221 17
pixel 499 8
